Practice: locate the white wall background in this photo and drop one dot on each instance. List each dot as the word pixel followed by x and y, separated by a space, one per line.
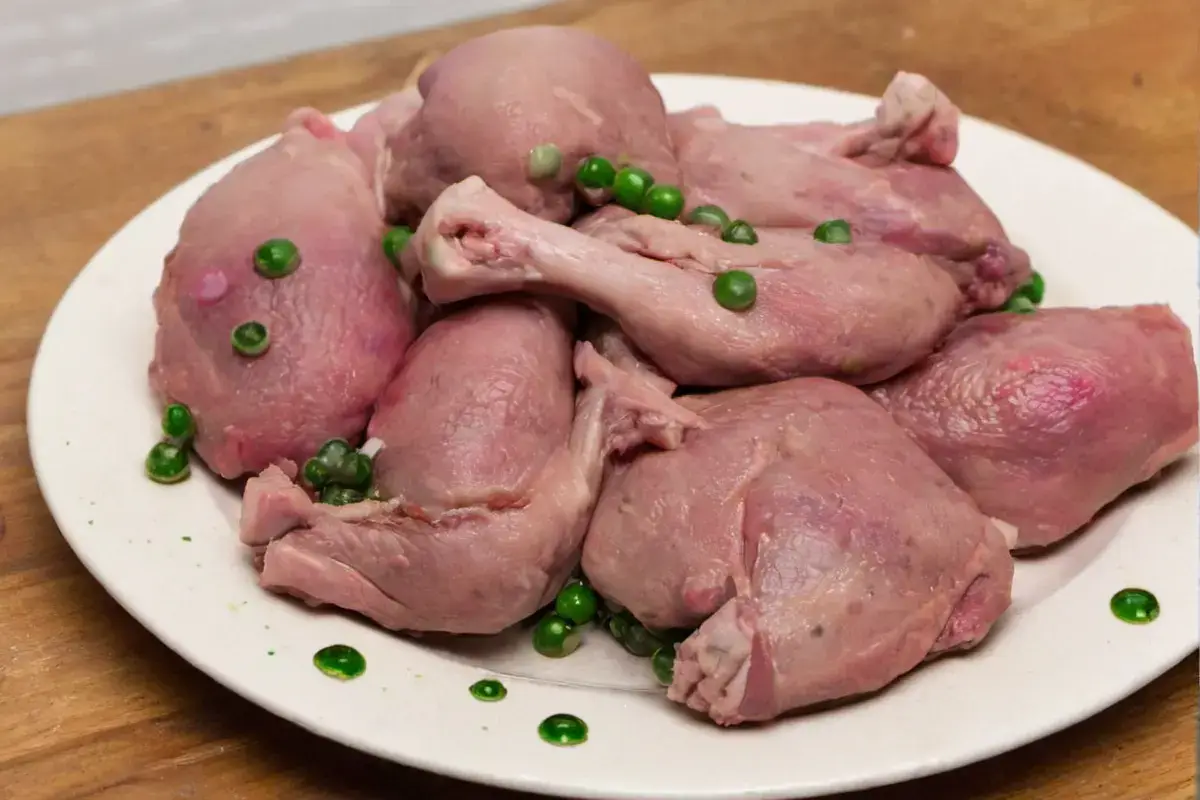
pixel 54 51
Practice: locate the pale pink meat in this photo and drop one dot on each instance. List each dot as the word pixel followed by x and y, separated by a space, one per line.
pixel 889 177
pixel 1046 418
pixel 490 101
pixel 369 136
pixel 339 324
pixel 820 551
pixel 490 466
pixel 861 312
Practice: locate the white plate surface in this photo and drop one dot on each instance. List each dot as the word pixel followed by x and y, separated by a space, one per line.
pixel 1058 657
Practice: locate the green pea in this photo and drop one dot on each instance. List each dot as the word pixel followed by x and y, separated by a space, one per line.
pixel 618 625
pixel 1019 304
pixel 340 496
pixel 555 637
pixel 276 258
pixel 178 425
pixel 639 641
pixel 713 216
pixel 663 664
pixel 833 231
pixel 735 290
pixel 250 339
pixel 663 201
pixel 357 471
pixel 630 187
pixel 595 173
pixel 316 473
pixel 1034 288
pixel 577 602
pixel 1135 606
pixel 333 453
pixel 394 241
pixel 545 161
pixel 739 232
pixel 339 463
pixel 167 462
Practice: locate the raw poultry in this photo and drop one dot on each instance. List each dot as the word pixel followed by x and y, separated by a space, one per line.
pixel 889 177
pixel 280 319
pixel 489 469
pixel 494 109
pixel 825 554
pixel 738 374
pixel 1046 418
pixel 862 312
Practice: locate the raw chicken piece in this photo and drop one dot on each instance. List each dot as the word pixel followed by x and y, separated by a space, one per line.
pixel 369 135
pixel 485 399
pixel 491 483
pixel 339 324
pixel 889 177
pixel 1046 418
pixel 610 341
pixel 832 555
pixel 861 312
pixel 490 101
pixel 654 238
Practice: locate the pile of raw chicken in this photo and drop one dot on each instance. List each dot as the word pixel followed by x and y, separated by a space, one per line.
pixel 819 469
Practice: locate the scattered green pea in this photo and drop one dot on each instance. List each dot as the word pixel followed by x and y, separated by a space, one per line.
pixel 250 339
pixel 394 241
pixel 276 258
pixel 545 161
pixel 713 216
pixel 663 664
pixel 178 425
pixel 167 462
pixel 833 231
pixel 618 625
pixel 577 602
pixel 488 690
pixel 1135 606
pixel 630 187
pixel 1019 304
pixel 735 290
pixel 333 454
pixel 563 730
pixel 663 201
pixel 340 495
pixel 639 641
pixel 1034 288
pixel 555 637
pixel 739 232
pixel 595 173
pixel 356 471
pixel 316 473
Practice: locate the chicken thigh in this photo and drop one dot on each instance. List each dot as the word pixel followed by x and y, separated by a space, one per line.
pixel 1046 418
pixel 820 551
pixel 338 324
pixel 489 467
pixel 521 108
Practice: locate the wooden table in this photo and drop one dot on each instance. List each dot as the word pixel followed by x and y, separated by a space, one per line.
pixel 91 705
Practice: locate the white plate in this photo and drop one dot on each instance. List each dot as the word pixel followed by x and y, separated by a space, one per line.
pixel 1058 657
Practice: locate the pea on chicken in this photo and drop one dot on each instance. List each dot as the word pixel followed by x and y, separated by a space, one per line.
pixel 276 258
pixel 250 339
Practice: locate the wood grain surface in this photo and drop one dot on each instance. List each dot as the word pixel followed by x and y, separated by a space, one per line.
pixel 93 706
